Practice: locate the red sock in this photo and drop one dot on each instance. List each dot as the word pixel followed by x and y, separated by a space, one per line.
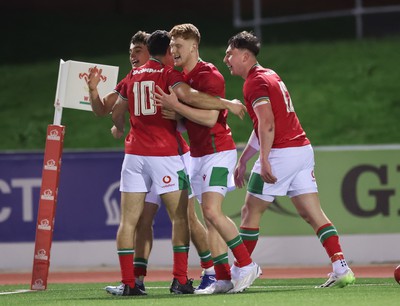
pixel 329 238
pixel 206 260
pixel 332 246
pixel 140 271
pixel 222 271
pixel 126 265
pixel 249 237
pixel 180 266
pixel 240 252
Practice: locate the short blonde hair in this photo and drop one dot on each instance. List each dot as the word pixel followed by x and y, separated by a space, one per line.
pixel 186 31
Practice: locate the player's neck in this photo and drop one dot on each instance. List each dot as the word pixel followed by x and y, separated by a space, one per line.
pixel 250 67
pixel 189 66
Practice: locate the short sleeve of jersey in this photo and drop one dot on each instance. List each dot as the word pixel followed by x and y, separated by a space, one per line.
pixel 121 89
pixel 257 89
pixel 174 77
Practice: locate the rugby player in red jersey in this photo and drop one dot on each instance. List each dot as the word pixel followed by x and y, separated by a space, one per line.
pixel 286 162
pixel 213 158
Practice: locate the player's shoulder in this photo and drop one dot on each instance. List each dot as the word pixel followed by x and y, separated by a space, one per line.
pixel 262 75
pixel 207 66
pixel 210 69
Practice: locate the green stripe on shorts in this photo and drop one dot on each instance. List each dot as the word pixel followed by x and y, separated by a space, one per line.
pixel 256 184
pixel 183 180
pixel 219 176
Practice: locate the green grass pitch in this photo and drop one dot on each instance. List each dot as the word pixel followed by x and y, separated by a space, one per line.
pixel 299 292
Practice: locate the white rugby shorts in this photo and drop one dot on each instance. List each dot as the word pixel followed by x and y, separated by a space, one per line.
pixel 213 173
pixel 164 173
pixel 153 197
pixel 294 169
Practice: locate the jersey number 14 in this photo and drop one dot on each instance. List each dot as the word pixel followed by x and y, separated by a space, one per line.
pixel 286 97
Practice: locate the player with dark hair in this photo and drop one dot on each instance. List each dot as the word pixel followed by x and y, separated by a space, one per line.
pixel 152 158
pixel 286 162
pixel 143 238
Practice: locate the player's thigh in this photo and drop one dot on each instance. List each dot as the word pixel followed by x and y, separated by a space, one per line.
pixel 176 204
pixel 131 206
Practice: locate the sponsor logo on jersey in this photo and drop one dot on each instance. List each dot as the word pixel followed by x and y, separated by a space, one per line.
pixel 148 70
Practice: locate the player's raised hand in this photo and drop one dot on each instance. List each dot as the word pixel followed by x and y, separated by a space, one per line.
pixel 93 78
pixel 236 107
pixel 165 100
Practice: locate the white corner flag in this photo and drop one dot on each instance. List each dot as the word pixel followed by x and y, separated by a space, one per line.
pixel 72 90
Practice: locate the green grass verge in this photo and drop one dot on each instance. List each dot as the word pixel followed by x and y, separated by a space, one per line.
pixel 300 292
pixel 344 92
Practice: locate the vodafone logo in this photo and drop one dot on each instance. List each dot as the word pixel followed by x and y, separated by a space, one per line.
pixel 166 179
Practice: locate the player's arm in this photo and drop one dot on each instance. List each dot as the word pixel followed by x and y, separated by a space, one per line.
pixel 266 134
pixel 251 149
pixel 118 114
pixel 200 116
pixel 101 107
pixel 204 117
pixel 198 99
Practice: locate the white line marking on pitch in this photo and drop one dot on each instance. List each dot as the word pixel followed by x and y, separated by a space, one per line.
pixel 17 291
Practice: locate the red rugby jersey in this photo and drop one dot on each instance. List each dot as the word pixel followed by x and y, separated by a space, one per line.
pixel 150 134
pixel 206 78
pixel 264 83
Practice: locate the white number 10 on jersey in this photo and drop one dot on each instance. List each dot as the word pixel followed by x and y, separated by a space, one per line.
pixel 144 103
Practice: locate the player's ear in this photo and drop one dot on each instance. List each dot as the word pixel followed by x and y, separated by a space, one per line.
pixel 245 56
pixel 194 47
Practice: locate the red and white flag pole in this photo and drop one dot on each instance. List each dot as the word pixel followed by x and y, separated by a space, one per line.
pixel 72 92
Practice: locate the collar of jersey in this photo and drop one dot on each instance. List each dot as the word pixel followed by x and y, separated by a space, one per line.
pixel 154 59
